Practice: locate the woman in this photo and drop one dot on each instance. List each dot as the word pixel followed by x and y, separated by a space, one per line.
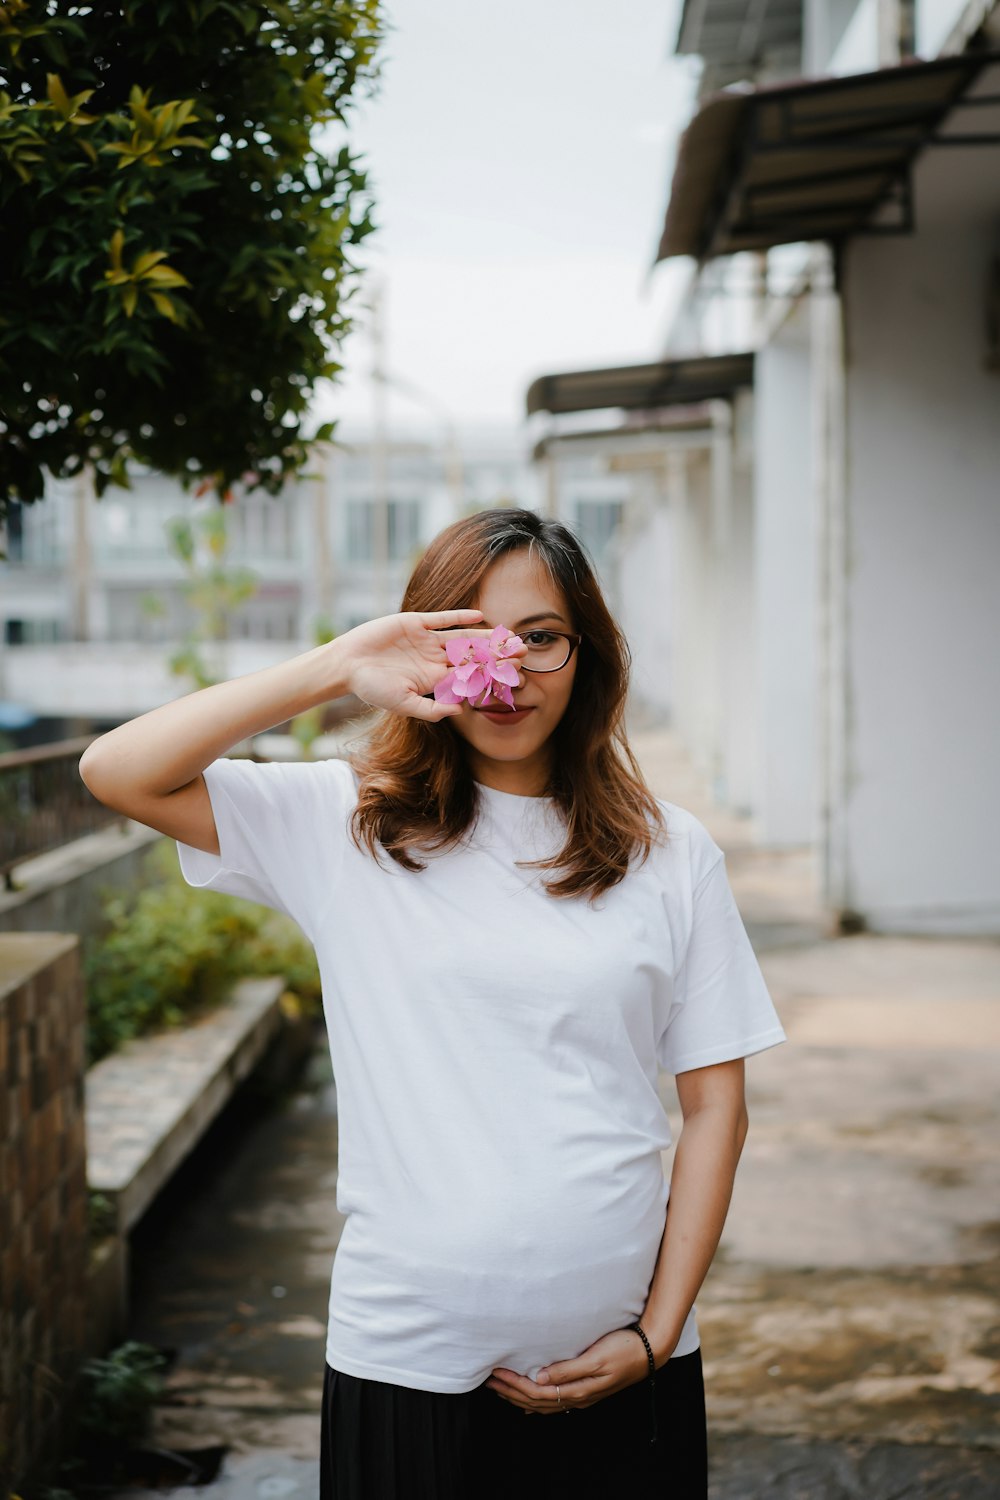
pixel 495 1035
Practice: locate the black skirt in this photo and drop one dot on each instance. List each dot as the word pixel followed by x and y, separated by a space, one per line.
pixel 391 1442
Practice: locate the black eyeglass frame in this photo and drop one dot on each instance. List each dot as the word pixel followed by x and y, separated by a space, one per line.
pixel 572 636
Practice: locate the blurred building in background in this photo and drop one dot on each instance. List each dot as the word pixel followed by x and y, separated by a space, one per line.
pixel 79 639
pixel 827 547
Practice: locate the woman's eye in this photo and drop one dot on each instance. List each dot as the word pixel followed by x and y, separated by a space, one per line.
pixel 546 636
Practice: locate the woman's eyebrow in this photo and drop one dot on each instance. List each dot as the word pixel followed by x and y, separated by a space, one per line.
pixel 530 620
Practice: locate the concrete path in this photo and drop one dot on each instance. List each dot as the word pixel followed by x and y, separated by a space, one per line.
pixel 851 1320
pixel 232 1270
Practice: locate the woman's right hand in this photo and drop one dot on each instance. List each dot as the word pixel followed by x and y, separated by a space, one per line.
pixel 392 662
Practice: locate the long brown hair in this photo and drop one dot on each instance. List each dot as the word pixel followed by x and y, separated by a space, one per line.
pixel 416 786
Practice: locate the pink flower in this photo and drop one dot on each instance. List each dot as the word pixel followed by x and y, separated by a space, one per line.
pixel 480 666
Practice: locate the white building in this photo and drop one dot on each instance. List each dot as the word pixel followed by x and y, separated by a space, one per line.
pixel 682 434
pixel 80 639
pixel 829 565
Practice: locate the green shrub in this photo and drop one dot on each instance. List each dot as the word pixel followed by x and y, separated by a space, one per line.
pixel 167 952
pixel 116 1396
pixel 102 1215
pixel 119 1393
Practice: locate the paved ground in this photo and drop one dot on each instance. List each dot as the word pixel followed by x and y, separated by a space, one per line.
pixel 851 1321
pixel 232 1270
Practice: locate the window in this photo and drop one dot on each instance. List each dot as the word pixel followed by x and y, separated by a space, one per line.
pixel 403 529
pixel 15 532
pixel 35 532
pixel 261 526
pixel 596 522
pixel 32 632
pixel 359 531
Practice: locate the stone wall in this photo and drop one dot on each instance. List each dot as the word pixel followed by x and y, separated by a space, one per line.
pixel 43 1197
pixel 61 891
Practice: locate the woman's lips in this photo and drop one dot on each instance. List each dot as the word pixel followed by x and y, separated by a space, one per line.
pixel 505 715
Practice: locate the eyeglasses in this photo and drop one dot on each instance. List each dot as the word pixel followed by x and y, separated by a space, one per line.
pixel 548 650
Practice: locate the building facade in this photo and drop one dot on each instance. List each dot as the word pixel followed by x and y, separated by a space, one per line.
pixel 841 218
pixel 93 598
pixel 812 525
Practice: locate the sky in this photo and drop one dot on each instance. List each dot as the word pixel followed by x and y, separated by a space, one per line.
pixel 520 157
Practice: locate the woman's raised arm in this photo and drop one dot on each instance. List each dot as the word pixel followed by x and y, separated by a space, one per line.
pixel 150 768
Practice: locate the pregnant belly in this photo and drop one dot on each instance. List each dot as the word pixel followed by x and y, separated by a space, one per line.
pixel 521 1274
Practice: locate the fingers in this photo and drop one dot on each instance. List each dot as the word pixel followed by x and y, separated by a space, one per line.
pixel 573 1392
pixel 520 1391
pixel 428 708
pixel 565 1370
pixel 570 1397
pixel 472 630
pixel 529 1395
pixel 445 622
pixel 435 618
pixel 521 1384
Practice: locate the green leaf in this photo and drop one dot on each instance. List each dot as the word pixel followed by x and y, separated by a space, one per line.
pixel 164 305
pixel 57 94
pixel 149 258
pixel 165 276
pixel 224 177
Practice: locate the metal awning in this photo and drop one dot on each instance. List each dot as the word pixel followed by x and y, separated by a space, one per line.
pixel 735 37
pixel 813 160
pixel 674 423
pixel 669 382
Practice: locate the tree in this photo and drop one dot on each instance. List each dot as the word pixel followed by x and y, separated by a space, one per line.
pixel 175 243
pixel 212 588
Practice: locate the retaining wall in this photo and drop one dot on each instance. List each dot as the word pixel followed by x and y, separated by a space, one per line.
pixel 43 1195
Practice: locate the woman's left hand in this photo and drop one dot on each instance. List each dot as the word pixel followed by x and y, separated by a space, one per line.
pixel 616 1360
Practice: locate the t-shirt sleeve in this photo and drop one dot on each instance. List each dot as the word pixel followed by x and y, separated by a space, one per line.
pixel 721 1005
pixel 280 826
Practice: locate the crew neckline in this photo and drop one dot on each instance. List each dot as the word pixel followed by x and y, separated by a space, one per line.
pixel 511 796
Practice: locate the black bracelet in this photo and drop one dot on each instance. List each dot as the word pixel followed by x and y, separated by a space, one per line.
pixel 652 1381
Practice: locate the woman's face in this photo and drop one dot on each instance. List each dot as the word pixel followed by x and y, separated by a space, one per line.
pixel 519 593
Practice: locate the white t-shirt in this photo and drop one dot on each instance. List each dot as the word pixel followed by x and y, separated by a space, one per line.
pixel 495 1051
